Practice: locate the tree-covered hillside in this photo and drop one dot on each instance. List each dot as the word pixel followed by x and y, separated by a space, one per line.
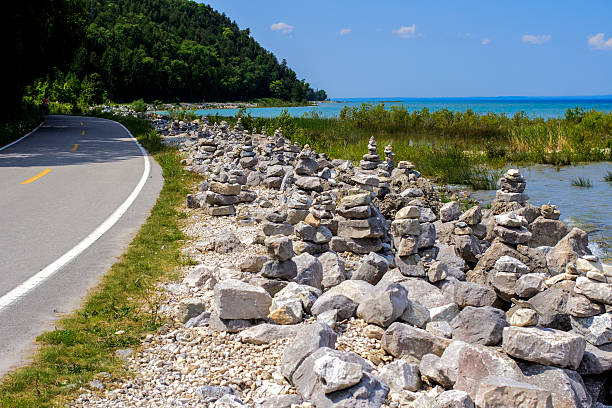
pixel 169 50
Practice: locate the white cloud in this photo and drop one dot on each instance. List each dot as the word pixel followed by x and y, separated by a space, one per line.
pixel 284 28
pixel 599 42
pixel 536 39
pixel 406 31
pixel 345 31
pixel 485 41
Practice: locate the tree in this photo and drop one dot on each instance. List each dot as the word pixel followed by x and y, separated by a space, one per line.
pixel 42 35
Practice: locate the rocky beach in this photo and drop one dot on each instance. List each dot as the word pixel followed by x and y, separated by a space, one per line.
pixel 320 283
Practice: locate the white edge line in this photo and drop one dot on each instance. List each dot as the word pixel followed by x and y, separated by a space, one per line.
pixel 21 290
pixel 22 137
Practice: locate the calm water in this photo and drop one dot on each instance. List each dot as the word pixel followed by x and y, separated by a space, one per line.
pixel 539 107
pixel 587 208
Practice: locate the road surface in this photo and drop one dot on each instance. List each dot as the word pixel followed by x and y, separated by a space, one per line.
pixel 72 196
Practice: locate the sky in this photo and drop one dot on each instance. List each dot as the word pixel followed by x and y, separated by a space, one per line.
pixel 406 48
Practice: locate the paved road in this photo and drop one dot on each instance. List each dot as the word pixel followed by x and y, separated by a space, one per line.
pixel 57 187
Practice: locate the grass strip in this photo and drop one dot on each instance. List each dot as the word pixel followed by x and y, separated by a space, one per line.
pixel 113 316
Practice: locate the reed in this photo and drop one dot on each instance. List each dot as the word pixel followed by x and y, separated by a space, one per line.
pixel 583 182
pixel 451 147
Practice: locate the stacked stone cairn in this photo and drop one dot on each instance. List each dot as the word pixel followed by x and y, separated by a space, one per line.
pixel 360 225
pixel 547 229
pixel 307 178
pixel 223 193
pixel 276 223
pixel 414 235
pixel 511 187
pixel 371 160
pixel 512 229
pixel 313 234
pixel 298 205
pixel 248 158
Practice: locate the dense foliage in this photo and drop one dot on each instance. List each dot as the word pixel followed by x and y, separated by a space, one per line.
pixel 171 50
pixel 39 35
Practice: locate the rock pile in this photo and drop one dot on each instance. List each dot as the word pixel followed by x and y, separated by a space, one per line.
pixel 441 308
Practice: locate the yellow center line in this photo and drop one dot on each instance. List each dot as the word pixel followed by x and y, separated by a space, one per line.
pixel 76 146
pixel 82 132
pixel 36 177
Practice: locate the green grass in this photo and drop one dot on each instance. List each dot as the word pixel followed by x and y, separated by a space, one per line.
pixel 608 176
pixel 113 316
pixel 450 147
pixel 583 182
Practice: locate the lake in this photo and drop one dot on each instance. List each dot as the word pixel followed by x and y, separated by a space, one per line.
pixel 586 208
pixel 532 106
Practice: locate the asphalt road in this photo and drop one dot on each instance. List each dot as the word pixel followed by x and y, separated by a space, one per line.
pixel 67 180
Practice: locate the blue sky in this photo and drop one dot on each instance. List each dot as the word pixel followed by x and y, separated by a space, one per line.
pixel 424 48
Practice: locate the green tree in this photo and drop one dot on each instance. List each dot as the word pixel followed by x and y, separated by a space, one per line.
pixel 40 35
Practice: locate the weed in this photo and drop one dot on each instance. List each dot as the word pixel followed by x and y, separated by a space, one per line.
pixel 583 182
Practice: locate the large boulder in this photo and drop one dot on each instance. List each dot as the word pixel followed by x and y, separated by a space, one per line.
pixel 334 378
pixel 266 333
pixel 551 306
pixel 597 330
pixel 596 359
pixel 308 339
pixel 402 340
pixel 566 386
pixel 547 232
pixel 443 369
pixel 385 307
pixel 567 250
pixel 401 376
pixel 596 291
pixel 334 270
pixel 544 346
pixel 468 293
pixel 479 325
pixel 372 269
pixel 477 362
pixel 234 299
pixel 497 391
pixel 309 270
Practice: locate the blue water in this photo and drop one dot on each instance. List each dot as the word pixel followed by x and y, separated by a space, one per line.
pixel 544 107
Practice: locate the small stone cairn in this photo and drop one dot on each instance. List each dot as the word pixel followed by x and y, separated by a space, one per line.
pixel 248 157
pixel 314 235
pixel 306 169
pixel 512 229
pixel 281 267
pixel 359 228
pixel 224 190
pixel 276 224
pixel 371 160
pixel 298 205
pixel 511 187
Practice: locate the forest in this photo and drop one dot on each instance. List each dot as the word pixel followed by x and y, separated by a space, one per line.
pixel 168 50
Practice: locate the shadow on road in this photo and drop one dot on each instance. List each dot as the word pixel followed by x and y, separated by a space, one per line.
pixel 52 144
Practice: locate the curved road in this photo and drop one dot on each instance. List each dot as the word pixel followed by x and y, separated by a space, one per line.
pixel 57 186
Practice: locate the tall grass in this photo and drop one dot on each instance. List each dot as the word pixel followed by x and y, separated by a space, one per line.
pixel 452 147
pixel 583 182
